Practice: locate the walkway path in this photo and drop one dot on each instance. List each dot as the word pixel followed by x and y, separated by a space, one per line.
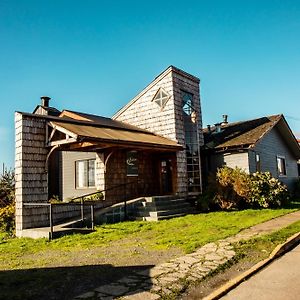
pixel 173 276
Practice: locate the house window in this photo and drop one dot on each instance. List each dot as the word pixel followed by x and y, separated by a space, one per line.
pixel 85 173
pixel 257 162
pixel 187 103
pixel 281 166
pixel 161 98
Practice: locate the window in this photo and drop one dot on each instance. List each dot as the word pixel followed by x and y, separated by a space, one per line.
pixel 281 166
pixel 161 98
pixel 187 103
pixel 85 173
pixel 191 135
pixel 257 162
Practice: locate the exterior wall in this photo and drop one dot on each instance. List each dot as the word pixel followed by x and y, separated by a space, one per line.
pixel 269 147
pixel 30 170
pixel 145 184
pixel 231 160
pixel 168 122
pixel 68 187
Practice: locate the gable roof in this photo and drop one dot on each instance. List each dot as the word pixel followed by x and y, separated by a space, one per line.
pixel 98 120
pixel 247 134
pixel 87 132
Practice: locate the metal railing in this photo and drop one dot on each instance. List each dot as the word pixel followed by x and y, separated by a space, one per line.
pixel 83 199
pixel 51 205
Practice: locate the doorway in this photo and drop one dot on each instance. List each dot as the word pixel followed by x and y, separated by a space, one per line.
pixel 166 186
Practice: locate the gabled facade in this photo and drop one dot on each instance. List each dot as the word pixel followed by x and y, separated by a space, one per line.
pixel 264 144
pixel 150 147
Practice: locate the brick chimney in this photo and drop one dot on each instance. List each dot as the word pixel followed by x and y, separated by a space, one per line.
pixel 45 101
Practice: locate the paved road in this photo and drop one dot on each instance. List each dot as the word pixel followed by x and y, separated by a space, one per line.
pixel 279 281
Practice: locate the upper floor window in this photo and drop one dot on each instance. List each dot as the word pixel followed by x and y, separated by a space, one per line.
pixel 187 103
pixel 161 98
pixel 281 167
pixel 85 173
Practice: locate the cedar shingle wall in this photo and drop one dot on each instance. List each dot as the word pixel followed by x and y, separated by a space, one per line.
pixel 168 122
pixel 30 166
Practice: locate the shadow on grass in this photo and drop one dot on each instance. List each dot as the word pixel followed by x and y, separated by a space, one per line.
pixel 293 204
pixel 67 282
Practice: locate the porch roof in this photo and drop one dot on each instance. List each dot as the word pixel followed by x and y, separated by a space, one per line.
pixel 91 137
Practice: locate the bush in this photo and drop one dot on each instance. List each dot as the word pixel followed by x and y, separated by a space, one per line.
pixel 267 191
pixel 234 188
pixel 7 218
pixel 7 201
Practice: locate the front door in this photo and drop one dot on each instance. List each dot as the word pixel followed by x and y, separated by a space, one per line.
pixel 166 176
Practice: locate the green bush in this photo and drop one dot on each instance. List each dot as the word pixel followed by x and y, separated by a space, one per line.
pixel 7 201
pixel 234 188
pixel 267 191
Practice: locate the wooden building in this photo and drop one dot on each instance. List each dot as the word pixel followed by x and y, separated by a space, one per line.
pixel 149 147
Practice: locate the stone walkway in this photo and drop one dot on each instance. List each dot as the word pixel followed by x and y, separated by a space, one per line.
pixel 172 277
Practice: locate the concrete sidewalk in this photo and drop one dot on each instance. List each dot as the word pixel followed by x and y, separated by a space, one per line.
pixel 172 277
pixel 279 280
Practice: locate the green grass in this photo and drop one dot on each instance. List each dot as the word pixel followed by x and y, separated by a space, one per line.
pixel 187 233
pixel 267 243
pixel 39 269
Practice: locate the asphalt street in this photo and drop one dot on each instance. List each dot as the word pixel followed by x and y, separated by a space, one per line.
pixel 280 280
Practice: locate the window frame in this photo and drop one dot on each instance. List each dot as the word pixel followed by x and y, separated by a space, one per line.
pixel 87 179
pixel 159 101
pixel 257 162
pixel 280 159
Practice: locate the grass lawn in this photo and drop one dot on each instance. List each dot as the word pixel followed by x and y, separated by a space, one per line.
pixel 68 266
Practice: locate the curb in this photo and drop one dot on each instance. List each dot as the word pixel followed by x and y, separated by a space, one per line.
pixel 277 252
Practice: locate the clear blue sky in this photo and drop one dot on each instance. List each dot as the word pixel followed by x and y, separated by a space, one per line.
pixel 94 56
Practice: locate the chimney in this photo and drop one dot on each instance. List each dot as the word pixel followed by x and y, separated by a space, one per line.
pixel 218 127
pixel 45 101
pixel 208 128
pixel 225 117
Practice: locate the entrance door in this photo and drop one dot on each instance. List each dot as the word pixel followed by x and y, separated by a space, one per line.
pixel 166 176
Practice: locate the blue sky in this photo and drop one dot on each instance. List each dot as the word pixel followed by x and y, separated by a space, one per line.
pixel 94 56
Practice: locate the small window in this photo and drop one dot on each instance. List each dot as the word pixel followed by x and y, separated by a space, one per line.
pixel 281 166
pixel 187 103
pixel 257 162
pixel 85 173
pixel 161 98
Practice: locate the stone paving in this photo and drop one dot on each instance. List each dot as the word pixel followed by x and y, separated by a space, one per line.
pixel 167 279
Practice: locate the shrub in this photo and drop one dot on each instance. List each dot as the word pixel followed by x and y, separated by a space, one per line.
pixel 7 218
pixel 7 201
pixel 232 188
pixel 267 191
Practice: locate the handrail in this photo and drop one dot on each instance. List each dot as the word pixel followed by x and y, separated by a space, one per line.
pixel 82 204
pixel 108 189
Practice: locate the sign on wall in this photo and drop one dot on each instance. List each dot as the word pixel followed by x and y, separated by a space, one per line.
pixel 132 163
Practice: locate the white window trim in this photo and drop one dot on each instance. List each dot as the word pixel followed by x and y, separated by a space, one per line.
pixel 284 161
pixel 84 187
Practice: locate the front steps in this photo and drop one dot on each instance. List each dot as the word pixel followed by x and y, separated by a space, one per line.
pixel 161 207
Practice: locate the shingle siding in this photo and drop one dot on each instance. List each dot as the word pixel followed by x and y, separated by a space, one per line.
pixel 168 122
